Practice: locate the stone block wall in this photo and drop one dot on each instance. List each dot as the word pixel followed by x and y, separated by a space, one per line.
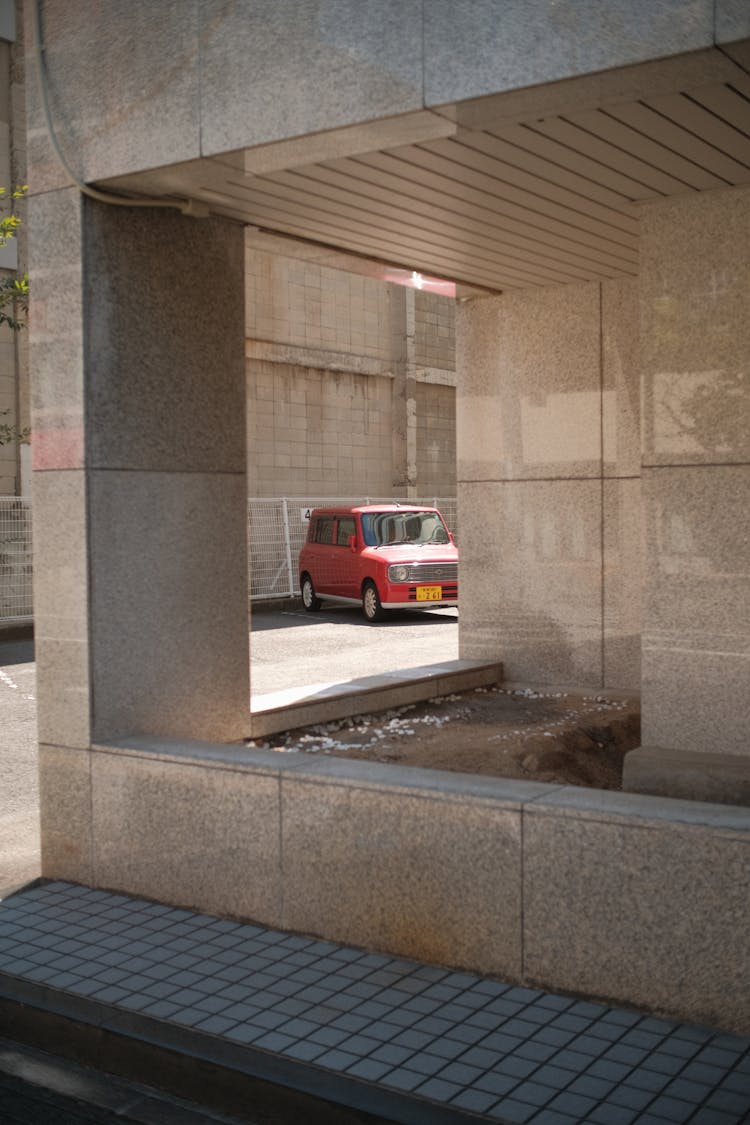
pixel 436 439
pixel 642 893
pixel 549 483
pixel 347 394
pixel 318 432
pixel 435 332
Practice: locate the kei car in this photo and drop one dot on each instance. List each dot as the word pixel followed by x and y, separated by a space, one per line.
pixel 379 556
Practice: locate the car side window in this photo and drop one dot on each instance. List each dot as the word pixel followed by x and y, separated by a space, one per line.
pixel 324 530
pixel 346 528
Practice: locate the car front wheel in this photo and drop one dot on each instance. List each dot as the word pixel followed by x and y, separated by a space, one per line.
pixel 310 600
pixel 371 606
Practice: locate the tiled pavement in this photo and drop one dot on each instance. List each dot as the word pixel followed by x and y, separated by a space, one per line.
pixel 440 1043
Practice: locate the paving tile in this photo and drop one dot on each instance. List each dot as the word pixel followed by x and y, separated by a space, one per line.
pixel 576 1061
pixel 363 1045
pixel 555 1117
pixel 630 1097
pixel 553 1076
pixel 717 1117
pixel 369 1069
pixel 481 1057
pixel 162 1009
pixel 305 1051
pixel 466 1034
pixel 402 1079
pixel 297 1028
pixel 608 1114
pixel 663 1063
pixel 438 1089
pixel 276 1041
pixel 589 1044
pixel 474 1100
pixel 248 1033
pixel 644 1079
pixel 461 1073
pixel 538 1052
pixel 521 1068
pixel 426 1064
pixel 217 1025
pixel 577 1105
pixel 328 1036
pixel 336 1059
pixel 590 1086
pixel 695 1092
pixel 683 1048
pixel 730 1101
pixel 447 1048
pixel 511 1110
pixel 702 1072
pixel 269 1019
pixel 534 1093
pixel 737 1081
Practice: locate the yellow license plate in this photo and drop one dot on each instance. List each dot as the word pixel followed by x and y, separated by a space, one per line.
pixel 429 593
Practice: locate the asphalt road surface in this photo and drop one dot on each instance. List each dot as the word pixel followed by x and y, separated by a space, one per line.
pixel 293 648
pixel 289 649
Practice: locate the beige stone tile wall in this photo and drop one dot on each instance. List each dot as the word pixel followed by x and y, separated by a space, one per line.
pixel 292 301
pixel 549 483
pixel 324 346
pixel 321 432
pixel 695 279
pixel 435 330
pixel 436 439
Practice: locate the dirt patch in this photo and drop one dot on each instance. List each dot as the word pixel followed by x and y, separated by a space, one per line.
pixel 558 737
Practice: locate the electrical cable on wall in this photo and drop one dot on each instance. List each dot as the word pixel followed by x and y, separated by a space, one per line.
pixel 191 207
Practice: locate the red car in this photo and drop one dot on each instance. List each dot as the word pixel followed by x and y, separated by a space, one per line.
pixel 379 556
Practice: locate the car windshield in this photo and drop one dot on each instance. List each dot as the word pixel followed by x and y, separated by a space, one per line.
pixel 383 529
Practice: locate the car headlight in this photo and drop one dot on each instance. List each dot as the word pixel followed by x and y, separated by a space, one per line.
pixel 398 573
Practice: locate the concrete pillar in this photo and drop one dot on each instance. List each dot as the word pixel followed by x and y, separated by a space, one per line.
pixel 547 450
pixel 139 477
pixel 695 282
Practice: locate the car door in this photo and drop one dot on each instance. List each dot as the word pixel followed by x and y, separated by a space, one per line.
pixel 345 559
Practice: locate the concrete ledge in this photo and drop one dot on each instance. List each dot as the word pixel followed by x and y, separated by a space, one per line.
pixel 633 899
pixel 322 703
pixel 688 774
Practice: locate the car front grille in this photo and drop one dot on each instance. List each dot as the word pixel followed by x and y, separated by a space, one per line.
pixel 433 573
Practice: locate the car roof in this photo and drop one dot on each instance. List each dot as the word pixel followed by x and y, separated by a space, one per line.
pixel 360 509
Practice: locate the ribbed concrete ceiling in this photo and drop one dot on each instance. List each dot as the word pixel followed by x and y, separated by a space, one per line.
pixel 542 202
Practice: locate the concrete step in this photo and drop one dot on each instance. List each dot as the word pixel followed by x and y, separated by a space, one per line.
pixel 325 702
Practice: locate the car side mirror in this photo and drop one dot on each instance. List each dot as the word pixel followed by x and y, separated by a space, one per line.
pixel 352 542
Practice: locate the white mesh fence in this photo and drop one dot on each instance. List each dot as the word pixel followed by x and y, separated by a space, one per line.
pixel 15 559
pixel 277 529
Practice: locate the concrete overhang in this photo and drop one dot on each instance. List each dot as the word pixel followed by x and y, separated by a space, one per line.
pixel 539 186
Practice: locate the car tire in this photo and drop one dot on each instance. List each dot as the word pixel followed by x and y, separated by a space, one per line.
pixel 310 600
pixel 371 607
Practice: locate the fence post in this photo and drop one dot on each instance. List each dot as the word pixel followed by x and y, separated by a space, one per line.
pixel 287 544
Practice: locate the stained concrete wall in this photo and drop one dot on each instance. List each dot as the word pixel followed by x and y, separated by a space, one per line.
pixel 636 900
pixel 329 352
pixel 549 488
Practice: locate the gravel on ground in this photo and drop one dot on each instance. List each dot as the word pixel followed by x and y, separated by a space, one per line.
pixel 555 736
